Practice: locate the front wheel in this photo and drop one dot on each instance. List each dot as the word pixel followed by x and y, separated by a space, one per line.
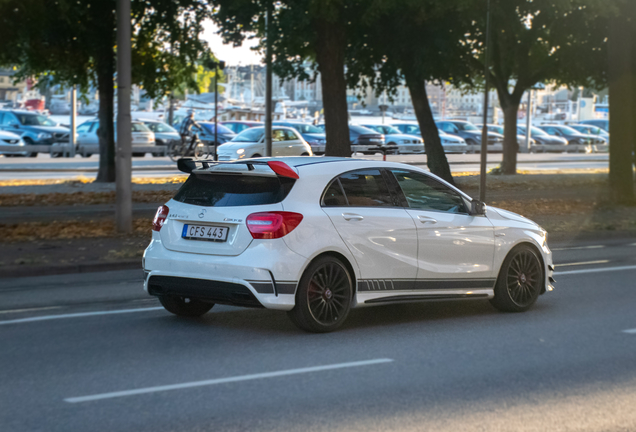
pixel 323 299
pixel 184 306
pixel 520 280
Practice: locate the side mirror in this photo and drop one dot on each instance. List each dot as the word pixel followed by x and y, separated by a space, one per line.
pixel 477 208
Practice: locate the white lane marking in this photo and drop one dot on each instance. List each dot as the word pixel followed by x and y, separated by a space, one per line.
pixel 582 263
pixel 596 270
pixel 29 309
pixel 226 380
pixel 630 331
pixel 78 315
pixel 578 247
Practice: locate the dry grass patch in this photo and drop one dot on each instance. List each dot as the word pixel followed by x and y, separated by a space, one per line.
pixel 32 231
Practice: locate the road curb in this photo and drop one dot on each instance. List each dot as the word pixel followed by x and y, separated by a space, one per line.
pixel 49 270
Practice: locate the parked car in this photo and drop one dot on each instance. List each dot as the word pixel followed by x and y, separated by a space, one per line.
pixel 34 128
pixel 314 136
pixel 163 132
pixel 599 123
pixel 578 142
pixel 471 134
pixel 406 144
pixel 521 139
pixel 544 143
pixel 237 126
pixel 364 140
pixel 251 144
pixel 317 237
pixel 594 131
pixel 451 143
pixel 206 135
pixel 87 137
pixel 13 140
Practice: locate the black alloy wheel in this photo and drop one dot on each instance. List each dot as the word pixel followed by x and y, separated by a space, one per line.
pixel 323 299
pixel 184 306
pixel 520 281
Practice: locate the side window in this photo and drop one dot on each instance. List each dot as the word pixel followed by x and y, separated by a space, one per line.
pixel 83 128
pixel 412 130
pixel 333 196
pixel 1 117
pixel 366 188
pixel 278 135
pixel 9 120
pixel 290 135
pixel 424 193
pixel 94 127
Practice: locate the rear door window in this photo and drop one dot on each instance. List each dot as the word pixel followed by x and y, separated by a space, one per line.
pixel 366 188
pixel 218 190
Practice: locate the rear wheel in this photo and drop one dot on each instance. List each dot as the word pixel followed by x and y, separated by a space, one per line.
pixel 323 299
pixel 28 142
pixel 184 306
pixel 520 281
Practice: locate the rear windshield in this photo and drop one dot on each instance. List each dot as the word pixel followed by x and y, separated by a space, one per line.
pixel 218 190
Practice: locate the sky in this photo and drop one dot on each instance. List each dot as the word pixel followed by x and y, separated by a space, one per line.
pixel 232 56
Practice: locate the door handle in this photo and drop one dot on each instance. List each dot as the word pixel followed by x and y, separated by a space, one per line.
pixel 426 219
pixel 352 216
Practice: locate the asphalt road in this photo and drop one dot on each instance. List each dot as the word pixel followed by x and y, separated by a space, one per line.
pixel 125 365
pixel 44 167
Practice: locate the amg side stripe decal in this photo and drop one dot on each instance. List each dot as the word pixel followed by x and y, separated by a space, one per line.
pixel 365 285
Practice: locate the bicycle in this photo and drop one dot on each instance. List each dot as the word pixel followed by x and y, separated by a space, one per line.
pixel 186 146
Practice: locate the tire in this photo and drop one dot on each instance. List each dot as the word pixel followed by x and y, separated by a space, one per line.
pixel 174 150
pixel 472 144
pixel 139 154
pixel 520 282
pixel 255 155
pixel 305 154
pixel 184 306
pixel 29 141
pixel 323 298
pixel 87 155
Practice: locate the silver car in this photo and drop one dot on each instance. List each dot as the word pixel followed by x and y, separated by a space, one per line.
pixel 87 137
pixel 13 140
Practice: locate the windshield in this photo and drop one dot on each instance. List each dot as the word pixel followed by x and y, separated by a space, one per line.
pixel 466 126
pixel 139 127
pixel 212 190
pixel 222 129
pixel 302 127
pixel 361 130
pixel 250 135
pixel 568 130
pixel 35 120
pixel 534 130
pixel 160 127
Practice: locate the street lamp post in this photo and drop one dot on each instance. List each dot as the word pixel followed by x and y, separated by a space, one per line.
pixel 484 131
pixel 216 65
pixel 123 163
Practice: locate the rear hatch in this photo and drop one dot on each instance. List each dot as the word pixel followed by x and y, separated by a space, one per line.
pixel 208 214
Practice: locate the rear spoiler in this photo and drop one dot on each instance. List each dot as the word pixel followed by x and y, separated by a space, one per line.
pixel 188 165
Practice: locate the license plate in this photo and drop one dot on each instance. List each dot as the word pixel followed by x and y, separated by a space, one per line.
pixel 205 232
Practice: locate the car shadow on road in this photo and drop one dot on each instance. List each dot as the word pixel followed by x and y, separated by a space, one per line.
pixel 396 316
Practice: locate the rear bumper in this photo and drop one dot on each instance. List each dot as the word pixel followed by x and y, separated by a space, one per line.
pixel 264 275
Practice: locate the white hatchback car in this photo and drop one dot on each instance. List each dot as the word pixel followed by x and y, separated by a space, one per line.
pixel 319 236
pixel 250 143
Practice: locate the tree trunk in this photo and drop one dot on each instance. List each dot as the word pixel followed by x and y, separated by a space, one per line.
pixel 330 56
pixel 106 131
pixel 510 144
pixel 435 156
pixel 622 77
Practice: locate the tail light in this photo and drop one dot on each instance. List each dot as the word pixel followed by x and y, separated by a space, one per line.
pixel 272 225
pixel 160 218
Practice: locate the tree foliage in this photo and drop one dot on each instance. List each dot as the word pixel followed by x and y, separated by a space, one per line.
pixel 537 41
pixel 74 42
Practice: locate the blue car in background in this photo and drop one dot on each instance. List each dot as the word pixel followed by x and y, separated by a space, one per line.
pixel 314 136
pixel 207 133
